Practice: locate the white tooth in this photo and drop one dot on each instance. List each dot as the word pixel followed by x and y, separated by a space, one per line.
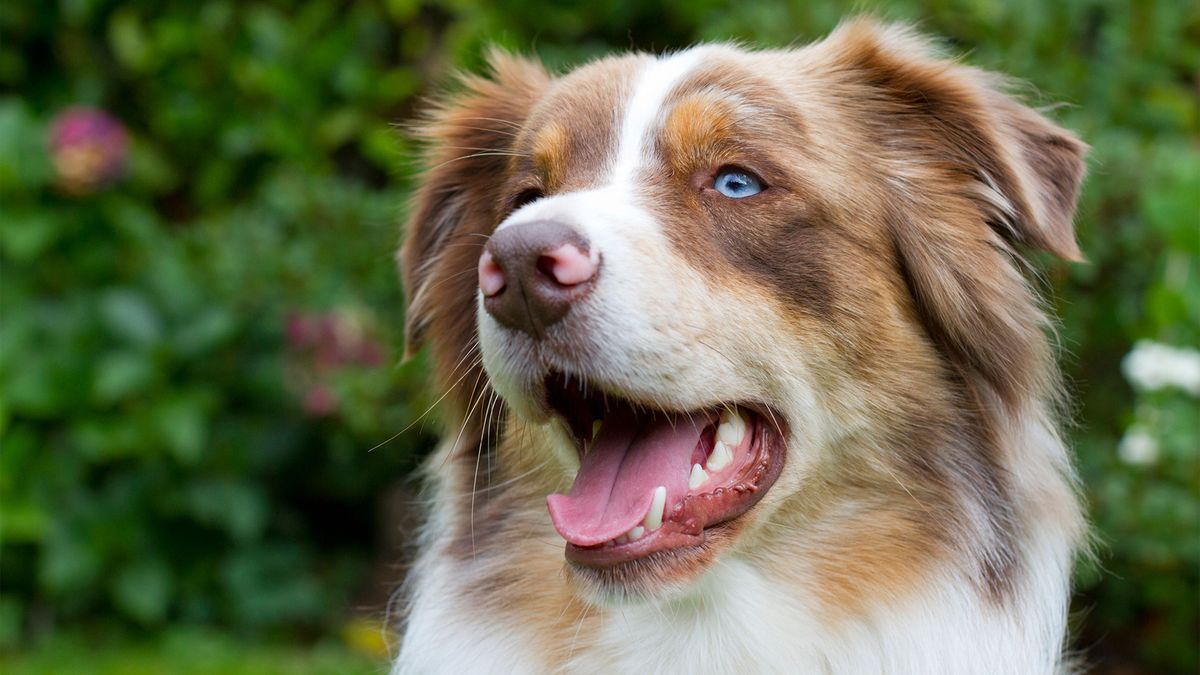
pixel 732 429
pixel 720 457
pixel 635 534
pixel 654 516
pixel 596 428
pixel 699 477
pixel 622 539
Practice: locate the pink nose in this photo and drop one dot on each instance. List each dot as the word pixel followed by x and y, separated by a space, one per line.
pixel 531 274
pixel 491 277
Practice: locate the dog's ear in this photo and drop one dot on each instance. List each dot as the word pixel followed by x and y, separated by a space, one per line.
pixel 468 136
pixel 975 177
pixel 1027 171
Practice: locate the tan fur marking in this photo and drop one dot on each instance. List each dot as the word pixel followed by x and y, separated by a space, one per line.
pixel 695 130
pixel 885 554
pixel 550 153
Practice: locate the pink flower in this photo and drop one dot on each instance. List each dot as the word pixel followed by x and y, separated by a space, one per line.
pixel 88 148
pixel 302 330
pixel 334 339
pixel 319 401
pixel 323 344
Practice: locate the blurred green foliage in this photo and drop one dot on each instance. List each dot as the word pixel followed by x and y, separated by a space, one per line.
pixel 186 651
pixel 176 448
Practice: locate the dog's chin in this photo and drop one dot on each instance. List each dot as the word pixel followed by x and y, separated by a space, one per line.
pixel 729 456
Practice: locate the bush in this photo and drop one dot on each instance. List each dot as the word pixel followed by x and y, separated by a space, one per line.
pixel 195 359
pixel 200 316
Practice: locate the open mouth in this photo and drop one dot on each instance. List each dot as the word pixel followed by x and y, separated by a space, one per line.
pixel 653 480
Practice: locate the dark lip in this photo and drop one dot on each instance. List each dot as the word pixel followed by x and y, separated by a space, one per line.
pixel 675 534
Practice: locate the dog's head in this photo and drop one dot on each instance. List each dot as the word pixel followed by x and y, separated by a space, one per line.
pixel 732 286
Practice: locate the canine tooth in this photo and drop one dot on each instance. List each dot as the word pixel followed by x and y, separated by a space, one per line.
pixel 699 477
pixel 634 534
pixel 654 516
pixel 596 424
pixel 732 429
pixel 720 457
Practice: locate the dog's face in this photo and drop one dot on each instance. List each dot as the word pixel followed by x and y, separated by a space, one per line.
pixel 729 289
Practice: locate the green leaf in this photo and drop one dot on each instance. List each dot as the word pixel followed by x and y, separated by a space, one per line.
pixel 32 388
pixel 238 507
pixel 23 522
pixel 68 563
pixel 129 315
pixel 150 168
pixel 128 40
pixel 121 375
pixel 183 423
pixel 384 146
pixel 339 127
pixel 143 590
pixel 24 156
pixel 26 233
pixel 205 332
pixel 11 611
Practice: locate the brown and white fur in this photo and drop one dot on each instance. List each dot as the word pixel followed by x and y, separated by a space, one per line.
pixel 874 298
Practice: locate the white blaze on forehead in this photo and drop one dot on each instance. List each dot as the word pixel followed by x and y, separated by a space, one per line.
pixel 654 83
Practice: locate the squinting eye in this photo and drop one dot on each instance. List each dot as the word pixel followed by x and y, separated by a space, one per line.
pixel 737 184
pixel 525 197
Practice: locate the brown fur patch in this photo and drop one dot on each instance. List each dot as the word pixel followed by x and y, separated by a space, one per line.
pixel 962 115
pixel 571 134
pixel 517 130
pixel 550 155
pixel 725 116
pixel 451 214
pixel 872 557
pixel 964 189
pixel 697 129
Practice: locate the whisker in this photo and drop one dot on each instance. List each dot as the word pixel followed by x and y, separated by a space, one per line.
pixel 495 119
pixel 467 418
pixel 475 476
pixel 514 479
pixel 431 405
pixel 453 277
pixel 490 131
pixel 493 398
pixel 905 488
pixel 473 156
pixel 582 618
pixel 496 150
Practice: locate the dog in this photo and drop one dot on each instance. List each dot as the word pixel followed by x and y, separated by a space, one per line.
pixel 741 366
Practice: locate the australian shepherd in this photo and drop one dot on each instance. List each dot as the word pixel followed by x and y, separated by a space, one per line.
pixel 741 366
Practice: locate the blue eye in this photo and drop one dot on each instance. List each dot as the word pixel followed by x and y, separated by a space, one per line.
pixel 737 184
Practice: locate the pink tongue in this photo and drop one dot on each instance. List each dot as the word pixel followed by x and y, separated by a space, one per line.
pixel 617 477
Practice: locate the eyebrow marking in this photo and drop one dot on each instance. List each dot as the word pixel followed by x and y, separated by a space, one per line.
pixel 654 83
pixel 550 148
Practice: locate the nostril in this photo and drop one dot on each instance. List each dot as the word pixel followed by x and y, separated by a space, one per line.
pixel 545 266
pixel 491 277
pixel 567 265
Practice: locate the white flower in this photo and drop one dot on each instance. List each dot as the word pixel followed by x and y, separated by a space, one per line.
pixel 1152 366
pixel 1138 447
